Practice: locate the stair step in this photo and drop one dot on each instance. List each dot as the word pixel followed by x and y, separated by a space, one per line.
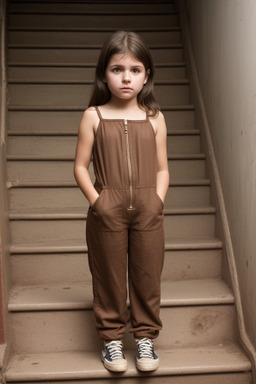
pixel 181 182
pixel 178 362
pixel 77 246
pixel 88 37
pixel 12 133
pixel 121 20
pixel 19 120
pixel 74 330
pixel 39 145
pixel 77 94
pixel 69 226
pixel 71 197
pixel 89 7
pixel 31 169
pixel 61 74
pixel 170 53
pixel 208 378
pixel 79 295
pixel 54 268
pixel 78 213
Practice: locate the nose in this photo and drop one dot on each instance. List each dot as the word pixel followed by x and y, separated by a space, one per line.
pixel 126 77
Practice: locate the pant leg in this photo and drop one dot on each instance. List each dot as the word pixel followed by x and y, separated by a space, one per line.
pixel 107 253
pixel 146 256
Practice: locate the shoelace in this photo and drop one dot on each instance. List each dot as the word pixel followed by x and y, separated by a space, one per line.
pixel 115 349
pixel 145 348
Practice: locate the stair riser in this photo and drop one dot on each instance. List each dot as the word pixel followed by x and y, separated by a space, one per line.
pixel 63 170
pixel 61 198
pixel 87 7
pixel 43 269
pixel 51 145
pixel 93 21
pixel 49 39
pixel 42 332
pixel 69 121
pixel 88 56
pixel 74 95
pixel 223 378
pixel 36 74
pixel 54 230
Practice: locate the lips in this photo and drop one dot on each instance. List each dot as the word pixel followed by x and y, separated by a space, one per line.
pixel 126 89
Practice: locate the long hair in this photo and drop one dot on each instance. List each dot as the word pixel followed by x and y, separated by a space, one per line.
pixel 123 42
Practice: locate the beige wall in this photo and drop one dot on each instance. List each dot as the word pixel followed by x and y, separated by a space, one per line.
pixel 223 36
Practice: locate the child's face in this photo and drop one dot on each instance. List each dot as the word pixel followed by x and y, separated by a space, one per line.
pixel 125 76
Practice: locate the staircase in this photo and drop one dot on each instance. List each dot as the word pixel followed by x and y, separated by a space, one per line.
pixel 52 51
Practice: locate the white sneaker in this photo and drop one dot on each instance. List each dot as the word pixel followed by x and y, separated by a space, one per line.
pixel 113 357
pixel 147 359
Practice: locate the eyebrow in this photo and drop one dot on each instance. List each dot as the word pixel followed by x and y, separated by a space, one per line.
pixel 122 66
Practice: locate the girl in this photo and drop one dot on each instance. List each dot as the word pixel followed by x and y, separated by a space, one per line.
pixel 126 134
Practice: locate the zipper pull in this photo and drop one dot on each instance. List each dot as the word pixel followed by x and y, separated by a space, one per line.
pixel 125 126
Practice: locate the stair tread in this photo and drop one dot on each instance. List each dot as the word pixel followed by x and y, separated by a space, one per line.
pixel 92 29
pixel 185 107
pixel 77 213
pixel 60 157
pixel 80 246
pixel 86 365
pixel 179 81
pixel 71 184
pixel 83 65
pixel 79 295
pixel 171 132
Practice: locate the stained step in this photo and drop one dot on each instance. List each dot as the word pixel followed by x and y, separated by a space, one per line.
pixel 208 378
pixel 47 331
pixel 178 362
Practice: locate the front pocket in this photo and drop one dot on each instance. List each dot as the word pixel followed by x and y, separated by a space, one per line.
pixel 159 199
pixel 96 203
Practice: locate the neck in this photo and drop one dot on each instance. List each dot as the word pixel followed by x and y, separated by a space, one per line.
pixel 123 105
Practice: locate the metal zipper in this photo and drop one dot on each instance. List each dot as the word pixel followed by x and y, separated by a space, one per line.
pixel 129 163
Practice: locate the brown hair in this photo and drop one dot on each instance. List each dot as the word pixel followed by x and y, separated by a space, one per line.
pixel 122 42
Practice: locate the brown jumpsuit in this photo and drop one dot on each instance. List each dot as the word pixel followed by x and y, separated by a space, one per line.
pixel 125 227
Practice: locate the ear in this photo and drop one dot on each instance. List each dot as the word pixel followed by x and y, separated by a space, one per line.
pixel 146 77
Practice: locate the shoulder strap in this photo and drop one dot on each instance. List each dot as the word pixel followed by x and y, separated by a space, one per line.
pixel 98 112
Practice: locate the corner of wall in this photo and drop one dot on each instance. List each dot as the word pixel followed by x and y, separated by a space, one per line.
pixel 4 204
pixel 222 227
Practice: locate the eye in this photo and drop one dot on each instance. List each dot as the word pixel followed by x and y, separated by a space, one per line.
pixel 136 70
pixel 116 70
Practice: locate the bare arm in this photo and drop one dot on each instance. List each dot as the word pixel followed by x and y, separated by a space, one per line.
pixel 162 178
pixel 83 154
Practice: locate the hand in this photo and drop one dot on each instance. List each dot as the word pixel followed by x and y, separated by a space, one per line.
pixel 92 202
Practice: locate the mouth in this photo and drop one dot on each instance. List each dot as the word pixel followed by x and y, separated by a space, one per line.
pixel 126 88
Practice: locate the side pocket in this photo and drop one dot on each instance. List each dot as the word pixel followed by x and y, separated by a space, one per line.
pixel 95 204
pixel 159 199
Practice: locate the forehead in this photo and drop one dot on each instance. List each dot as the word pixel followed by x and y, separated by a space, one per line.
pixel 124 59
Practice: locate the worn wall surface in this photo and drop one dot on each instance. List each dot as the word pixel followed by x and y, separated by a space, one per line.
pixel 223 36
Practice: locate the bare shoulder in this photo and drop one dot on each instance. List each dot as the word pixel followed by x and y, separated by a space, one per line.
pixel 89 119
pixel 158 122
